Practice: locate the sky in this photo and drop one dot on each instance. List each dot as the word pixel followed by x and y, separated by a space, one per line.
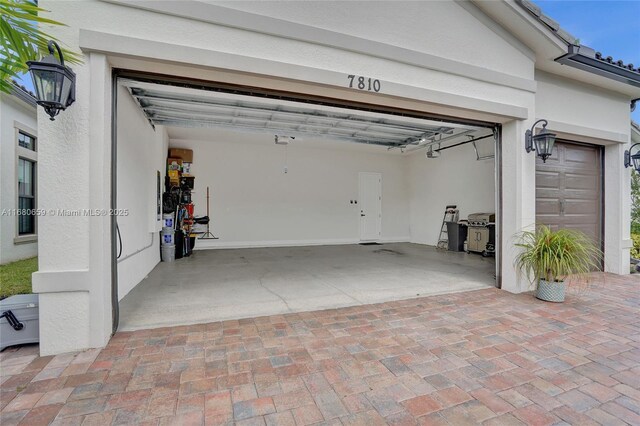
pixel 608 26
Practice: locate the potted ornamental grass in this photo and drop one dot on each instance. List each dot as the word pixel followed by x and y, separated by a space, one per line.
pixel 550 258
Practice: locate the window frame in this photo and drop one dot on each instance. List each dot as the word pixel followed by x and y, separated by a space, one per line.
pixel 29 155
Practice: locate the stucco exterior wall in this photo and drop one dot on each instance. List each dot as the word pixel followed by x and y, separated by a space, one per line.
pixel 13 114
pixel 74 274
pixel 415 26
pixel 286 54
pixel 577 110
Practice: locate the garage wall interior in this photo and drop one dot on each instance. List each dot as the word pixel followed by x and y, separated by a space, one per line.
pixel 142 152
pixel 456 177
pixel 305 193
pixel 255 203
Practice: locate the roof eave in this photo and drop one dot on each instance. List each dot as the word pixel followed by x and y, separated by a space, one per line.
pixel 22 94
pixel 584 58
pixel 551 43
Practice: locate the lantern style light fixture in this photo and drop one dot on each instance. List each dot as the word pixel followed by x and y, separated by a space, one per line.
pixel 54 83
pixel 542 143
pixel 632 160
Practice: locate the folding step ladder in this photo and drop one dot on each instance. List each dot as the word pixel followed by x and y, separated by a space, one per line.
pixel 451 214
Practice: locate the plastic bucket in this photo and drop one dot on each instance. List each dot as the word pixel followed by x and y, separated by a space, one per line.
pixel 168 252
pixel 167 219
pixel 168 236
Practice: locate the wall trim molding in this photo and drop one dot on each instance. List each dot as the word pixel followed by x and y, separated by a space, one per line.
pixel 247 21
pixel 149 50
pixel 586 134
pixel 61 281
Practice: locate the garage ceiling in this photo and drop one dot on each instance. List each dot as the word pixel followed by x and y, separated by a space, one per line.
pixel 185 107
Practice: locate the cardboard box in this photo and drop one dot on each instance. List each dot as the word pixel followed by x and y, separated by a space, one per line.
pixel 185 155
pixel 174 164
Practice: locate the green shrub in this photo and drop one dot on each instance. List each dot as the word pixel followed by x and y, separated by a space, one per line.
pixel 555 255
pixel 635 250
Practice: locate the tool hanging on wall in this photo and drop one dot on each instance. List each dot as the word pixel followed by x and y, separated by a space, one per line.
pixel 208 235
pixel 451 214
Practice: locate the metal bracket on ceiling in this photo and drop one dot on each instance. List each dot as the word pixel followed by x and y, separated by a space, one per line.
pixel 472 139
pixel 486 156
pixel 433 140
pixel 426 136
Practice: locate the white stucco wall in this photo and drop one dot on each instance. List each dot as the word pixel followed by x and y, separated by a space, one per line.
pixel 415 26
pixel 577 110
pixel 141 154
pixel 456 177
pixel 241 47
pixel 74 252
pixel 254 203
pixel 13 113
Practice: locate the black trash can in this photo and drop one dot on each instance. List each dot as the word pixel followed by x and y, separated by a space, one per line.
pixel 456 234
pixel 179 241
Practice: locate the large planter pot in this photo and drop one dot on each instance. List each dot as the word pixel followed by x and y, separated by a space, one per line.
pixel 550 291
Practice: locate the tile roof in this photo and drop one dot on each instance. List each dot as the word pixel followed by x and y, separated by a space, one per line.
pixel 548 21
pixel 568 38
pixel 620 63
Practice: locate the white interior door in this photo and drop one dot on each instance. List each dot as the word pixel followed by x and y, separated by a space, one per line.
pixel 370 201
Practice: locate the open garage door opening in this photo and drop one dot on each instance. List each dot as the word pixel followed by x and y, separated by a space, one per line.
pixel 308 206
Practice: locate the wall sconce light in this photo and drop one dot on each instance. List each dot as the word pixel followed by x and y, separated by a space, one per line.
pixel 542 143
pixel 632 160
pixel 54 83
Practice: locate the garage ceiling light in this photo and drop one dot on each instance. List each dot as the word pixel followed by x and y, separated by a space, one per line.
pixel 185 107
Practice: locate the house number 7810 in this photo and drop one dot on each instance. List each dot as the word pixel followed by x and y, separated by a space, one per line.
pixel 363 83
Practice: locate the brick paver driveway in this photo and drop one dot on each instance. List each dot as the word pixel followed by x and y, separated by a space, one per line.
pixel 485 356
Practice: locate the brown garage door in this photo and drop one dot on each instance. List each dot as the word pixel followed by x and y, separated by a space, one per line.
pixel 569 189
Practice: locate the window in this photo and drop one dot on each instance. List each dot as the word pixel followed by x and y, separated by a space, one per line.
pixel 26 180
pixel 26 141
pixel 26 196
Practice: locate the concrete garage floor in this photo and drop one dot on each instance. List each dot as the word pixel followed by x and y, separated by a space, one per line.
pixel 216 285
